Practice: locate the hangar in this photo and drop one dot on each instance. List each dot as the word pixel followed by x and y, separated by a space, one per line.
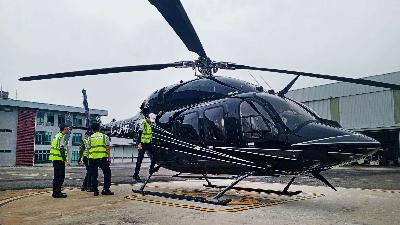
pixel 369 110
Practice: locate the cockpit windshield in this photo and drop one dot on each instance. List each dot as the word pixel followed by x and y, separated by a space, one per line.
pixel 291 113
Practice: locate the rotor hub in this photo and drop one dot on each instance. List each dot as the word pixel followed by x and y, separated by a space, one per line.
pixel 206 66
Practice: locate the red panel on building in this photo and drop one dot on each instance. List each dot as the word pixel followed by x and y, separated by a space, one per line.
pixel 25 150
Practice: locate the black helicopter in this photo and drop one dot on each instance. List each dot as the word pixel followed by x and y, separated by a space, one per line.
pixel 222 125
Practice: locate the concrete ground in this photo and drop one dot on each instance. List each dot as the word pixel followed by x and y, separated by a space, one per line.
pixel 365 196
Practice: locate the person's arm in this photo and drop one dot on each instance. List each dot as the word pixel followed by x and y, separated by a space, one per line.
pixel 139 140
pixel 81 149
pixel 107 140
pixel 62 148
pixel 141 128
pixel 139 136
pixel 108 154
pixel 62 151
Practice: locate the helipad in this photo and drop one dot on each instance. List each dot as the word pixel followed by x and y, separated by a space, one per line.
pixel 316 205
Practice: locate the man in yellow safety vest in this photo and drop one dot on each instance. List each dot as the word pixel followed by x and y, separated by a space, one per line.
pixel 99 156
pixel 145 144
pixel 83 157
pixel 58 155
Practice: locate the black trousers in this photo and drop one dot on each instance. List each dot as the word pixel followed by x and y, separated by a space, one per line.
pixel 87 183
pixel 59 175
pixel 150 152
pixel 103 164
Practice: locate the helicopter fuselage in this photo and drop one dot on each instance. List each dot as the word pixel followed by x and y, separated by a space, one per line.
pixel 228 126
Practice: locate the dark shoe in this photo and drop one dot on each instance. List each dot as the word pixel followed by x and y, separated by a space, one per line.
pixel 137 178
pixel 95 193
pixel 58 195
pixel 107 192
pixel 83 188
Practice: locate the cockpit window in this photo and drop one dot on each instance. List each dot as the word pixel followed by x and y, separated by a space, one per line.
pixel 254 126
pixel 166 117
pixel 292 114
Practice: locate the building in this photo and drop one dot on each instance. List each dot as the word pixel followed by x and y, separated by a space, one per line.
pixel 27 128
pixel 124 151
pixel 370 110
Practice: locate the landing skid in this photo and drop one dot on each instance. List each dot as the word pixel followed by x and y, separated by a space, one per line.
pixel 284 192
pixel 148 179
pixel 215 200
pixel 288 193
pixel 182 197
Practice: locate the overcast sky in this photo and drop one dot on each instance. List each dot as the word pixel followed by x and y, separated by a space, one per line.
pixel 352 38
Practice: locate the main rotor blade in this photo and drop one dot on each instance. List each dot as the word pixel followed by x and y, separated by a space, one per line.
pixel 175 15
pixel 329 77
pixel 101 71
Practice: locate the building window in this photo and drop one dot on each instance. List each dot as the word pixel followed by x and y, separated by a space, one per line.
pixel 61 119
pixel 5 131
pixel 76 139
pixel 40 118
pixel 214 124
pixel 43 138
pixel 42 156
pixel 5 151
pixel 6 109
pixel 74 156
pixel 77 121
pixel 50 119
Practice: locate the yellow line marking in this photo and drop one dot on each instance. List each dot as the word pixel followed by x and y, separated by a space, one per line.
pixel 248 202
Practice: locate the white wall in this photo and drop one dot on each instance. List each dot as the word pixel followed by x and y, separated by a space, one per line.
pixel 321 107
pixel 8 141
pixel 372 110
pixel 126 154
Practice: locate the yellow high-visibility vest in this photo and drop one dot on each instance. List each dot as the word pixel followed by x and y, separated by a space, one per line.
pixel 55 153
pixel 98 148
pixel 147 133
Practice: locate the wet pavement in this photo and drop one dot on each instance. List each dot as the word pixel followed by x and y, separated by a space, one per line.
pixel 366 195
pixel 13 178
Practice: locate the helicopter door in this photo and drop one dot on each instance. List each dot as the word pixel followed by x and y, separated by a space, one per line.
pixel 256 123
pixel 187 127
pixel 214 125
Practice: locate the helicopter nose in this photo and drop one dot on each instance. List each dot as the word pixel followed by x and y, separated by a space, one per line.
pixel 323 146
pixel 319 134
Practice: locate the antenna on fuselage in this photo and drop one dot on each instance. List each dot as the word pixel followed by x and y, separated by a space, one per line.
pixel 254 78
pixel 259 88
pixel 262 78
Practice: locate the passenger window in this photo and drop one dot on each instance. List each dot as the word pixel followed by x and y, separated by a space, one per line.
pixel 187 126
pixel 254 125
pixel 214 124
